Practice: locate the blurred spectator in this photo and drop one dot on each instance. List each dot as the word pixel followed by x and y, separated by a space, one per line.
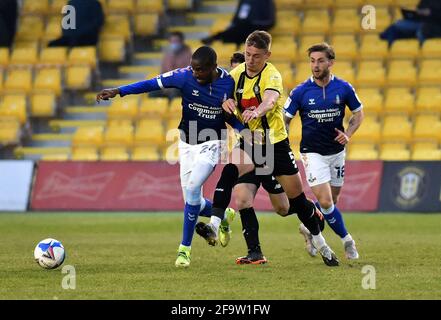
pixel 177 54
pixel 424 24
pixel 89 20
pixel 250 15
pixel 8 21
pixel 236 59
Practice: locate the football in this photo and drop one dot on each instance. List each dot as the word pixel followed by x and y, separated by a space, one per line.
pixel 49 253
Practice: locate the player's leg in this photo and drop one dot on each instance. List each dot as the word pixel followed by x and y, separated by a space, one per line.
pixel 244 193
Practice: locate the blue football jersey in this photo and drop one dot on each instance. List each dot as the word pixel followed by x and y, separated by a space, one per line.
pixel 321 111
pixel 202 117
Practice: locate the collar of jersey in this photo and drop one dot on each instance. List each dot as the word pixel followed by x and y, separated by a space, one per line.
pixel 246 74
pixel 313 82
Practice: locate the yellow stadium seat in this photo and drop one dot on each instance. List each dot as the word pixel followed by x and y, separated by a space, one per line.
pixel 346 21
pixel 224 50
pixel 4 57
pixel 399 100
pixel 429 99
pixel 53 29
pixel 373 48
pixel 145 154
pixel 288 78
pixel 121 136
pixel 175 109
pixel 48 80
pixel 116 26
pixel 315 22
pixel 149 132
pixel 56 6
pixel 283 51
pixel 112 50
pixel 394 152
pixel 84 154
pixel 43 105
pixel 9 131
pixel 53 56
pixel 426 151
pixel 88 136
pixel 345 47
pixel 369 131
pixel 146 24
pixel 371 74
pixel 401 73
pixel 120 6
pixel 30 28
pixel 427 127
pixel 427 74
pixel 405 48
pixel 383 18
pixel 287 23
pixel 14 107
pixel 114 154
pixel 126 108
pixel 303 72
pixel 40 7
pixel 431 49
pixel 347 3
pixel 24 56
pixel 18 81
pixel 179 4
pixel 78 77
pixel 1 81
pixel 307 41
pixel 288 4
pixel 362 151
pixel 344 70
pixel 397 128
pixel 83 56
pixel 56 157
pixel 153 107
pixel 313 4
pixel 119 123
pixel 149 6
pixel 372 100
pixel 295 130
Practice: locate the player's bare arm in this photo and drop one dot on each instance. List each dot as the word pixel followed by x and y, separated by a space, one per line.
pixel 354 123
pixel 269 100
pixel 287 121
pixel 107 94
pixel 229 106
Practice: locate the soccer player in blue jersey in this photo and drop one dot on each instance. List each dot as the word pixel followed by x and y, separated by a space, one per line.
pixel 320 102
pixel 204 88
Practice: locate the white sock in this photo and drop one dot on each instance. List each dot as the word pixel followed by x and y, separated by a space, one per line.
pixel 215 222
pixel 318 240
pixel 348 237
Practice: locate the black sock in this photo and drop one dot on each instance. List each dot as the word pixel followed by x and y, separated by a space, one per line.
pixel 250 229
pixel 305 210
pixel 224 187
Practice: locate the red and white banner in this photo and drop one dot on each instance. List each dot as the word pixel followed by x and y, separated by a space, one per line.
pixel 155 186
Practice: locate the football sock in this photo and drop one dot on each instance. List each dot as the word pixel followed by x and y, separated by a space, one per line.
pixel 347 238
pixel 305 212
pixel 215 222
pixel 224 187
pixel 250 229
pixel 318 240
pixel 334 219
pixel 190 219
pixel 206 206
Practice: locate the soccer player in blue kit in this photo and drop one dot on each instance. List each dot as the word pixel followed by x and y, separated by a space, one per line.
pixel 321 102
pixel 204 88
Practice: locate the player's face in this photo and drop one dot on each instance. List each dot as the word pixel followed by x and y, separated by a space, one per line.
pixel 255 59
pixel 320 65
pixel 203 74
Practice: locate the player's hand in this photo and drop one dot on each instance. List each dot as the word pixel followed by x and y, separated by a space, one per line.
pixel 229 105
pixel 107 94
pixel 342 137
pixel 249 114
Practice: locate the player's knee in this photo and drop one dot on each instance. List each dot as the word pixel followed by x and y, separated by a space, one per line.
pixel 243 203
pixel 302 206
pixel 326 203
pixel 335 198
pixel 282 209
pixel 193 195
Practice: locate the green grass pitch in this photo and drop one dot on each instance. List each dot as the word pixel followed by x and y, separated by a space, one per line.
pixel 131 256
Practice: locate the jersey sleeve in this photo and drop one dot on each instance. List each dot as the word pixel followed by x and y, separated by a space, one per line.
pixel 352 100
pixel 292 104
pixel 171 79
pixel 273 81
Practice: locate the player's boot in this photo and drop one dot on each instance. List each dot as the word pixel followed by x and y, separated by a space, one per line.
pixel 328 256
pixel 309 247
pixel 183 259
pixel 253 257
pixel 206 231
pixel 350 250
pixel 224 229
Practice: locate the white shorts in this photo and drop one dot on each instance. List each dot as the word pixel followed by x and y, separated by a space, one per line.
pixel 191 155
pixel 322 169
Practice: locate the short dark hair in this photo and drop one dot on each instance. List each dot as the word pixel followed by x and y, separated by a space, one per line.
pixel 259 39
pixel 205 55
pixel 322 47
pixel 237 57
pixel 178 34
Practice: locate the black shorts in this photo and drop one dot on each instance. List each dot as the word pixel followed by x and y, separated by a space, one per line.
pixel 268 182
pixel 282 158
